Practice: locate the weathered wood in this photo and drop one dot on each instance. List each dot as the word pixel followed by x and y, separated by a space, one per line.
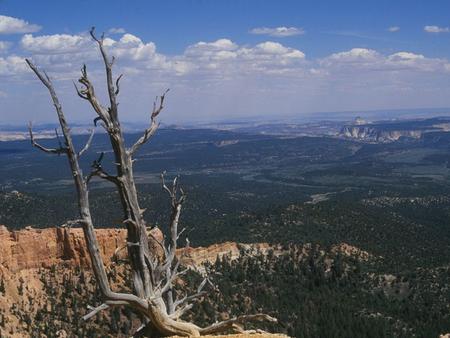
pixel 153 277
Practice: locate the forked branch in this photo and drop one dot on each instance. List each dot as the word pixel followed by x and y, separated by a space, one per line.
pixel 151 130
pixel 60 150
pixel 153 276
pixel 112 91
pixel 97 170
pixel 87 92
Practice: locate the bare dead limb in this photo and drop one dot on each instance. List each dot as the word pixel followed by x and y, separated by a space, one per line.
pixel 58 151
pixel 88 143
pixel 101 307
pixel 84 209
pixel 88 93
pixel 151 130
pixel 117 85
pixel 200 293
pixel 153 277
pixel 109 77
pixel 97 170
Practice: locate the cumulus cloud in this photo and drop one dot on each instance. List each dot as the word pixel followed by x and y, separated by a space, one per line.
pixel 221 57
pixel 55 44
pixel 118 30
pixel 436 29
pixel 355 55
pixel 370 62
pixel 218 45
pixel 393 29
pixel 225 56
pixel 130 46
pixel 402 56
pixel 12 65
pixel 10 25
pixel 278 31
pixel 65 49
pixel 208 54
pixel 257 75
pixel 218 58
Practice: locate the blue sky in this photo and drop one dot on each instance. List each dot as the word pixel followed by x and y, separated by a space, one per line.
pixel 231 58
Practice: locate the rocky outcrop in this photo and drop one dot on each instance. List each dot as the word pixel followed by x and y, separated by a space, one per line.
pixel 32 259
pixel 393 130
pixel 200 255
pixel 34 248
pixel 372 133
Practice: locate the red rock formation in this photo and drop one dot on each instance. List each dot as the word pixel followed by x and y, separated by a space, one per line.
pixel 34 248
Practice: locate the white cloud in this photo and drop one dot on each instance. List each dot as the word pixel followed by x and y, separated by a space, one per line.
pixel 12 65
pixel 278 31
pixel 436 29
pixel 211 47
pixel 393 29
pixel 55 44
pixel 224 57
pixel 262 78
pixel 10 25
pixel 270 47
pixel 131 48
pixel 361 61
pixel 118 30
pixel 402 56
pixel 355 55
pixel 69 51
pixel 213 59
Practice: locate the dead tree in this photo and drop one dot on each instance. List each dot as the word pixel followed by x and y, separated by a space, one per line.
pixel 152 276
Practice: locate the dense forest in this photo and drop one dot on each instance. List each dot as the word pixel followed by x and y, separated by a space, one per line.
pixel 314 291
pixel 389 200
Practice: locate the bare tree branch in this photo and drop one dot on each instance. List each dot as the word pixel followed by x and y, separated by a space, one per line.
pixel 88 93
pixel 152 276
pixel 95 310
pixel 84 209
pixel 58 151
pixel 151 130
pixel 181 311
pixel 88 143
pixel 102 307
pixel 117 85
pixel 196 295
pixel 109 77
pixel 97 170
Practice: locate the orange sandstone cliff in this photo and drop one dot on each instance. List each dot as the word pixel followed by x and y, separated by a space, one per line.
pixel 23 254
pixel 35 248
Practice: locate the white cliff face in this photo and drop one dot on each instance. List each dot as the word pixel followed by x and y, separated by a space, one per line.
pixel 373 134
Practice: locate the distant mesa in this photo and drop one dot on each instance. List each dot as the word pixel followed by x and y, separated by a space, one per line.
pixel 394 130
